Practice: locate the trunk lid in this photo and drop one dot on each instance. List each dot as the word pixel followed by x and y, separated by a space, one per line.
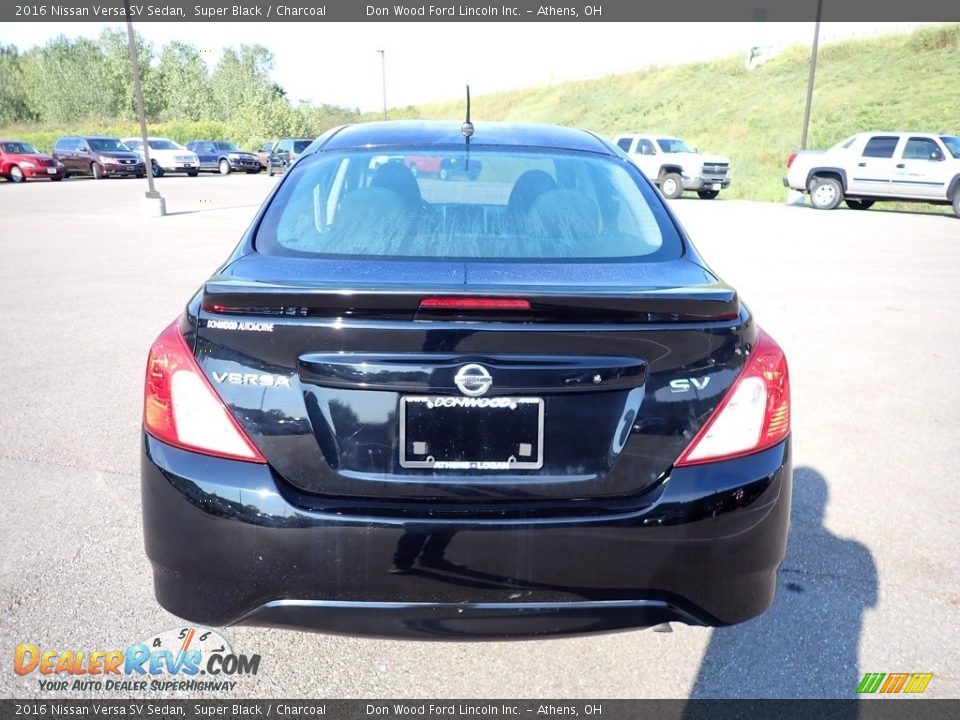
pixel 351 390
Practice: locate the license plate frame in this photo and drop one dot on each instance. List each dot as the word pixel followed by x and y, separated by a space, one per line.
pixel 493 407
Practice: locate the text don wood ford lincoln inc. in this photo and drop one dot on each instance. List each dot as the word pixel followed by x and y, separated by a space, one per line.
pixel 178 659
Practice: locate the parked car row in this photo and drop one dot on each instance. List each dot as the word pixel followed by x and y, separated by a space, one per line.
pixel 101 157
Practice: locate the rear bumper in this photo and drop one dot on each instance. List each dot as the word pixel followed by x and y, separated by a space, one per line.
pixel 699 183
pixel 791 186
pixel 227 546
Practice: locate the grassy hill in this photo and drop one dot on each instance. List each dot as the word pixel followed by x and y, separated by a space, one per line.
pixel 755 116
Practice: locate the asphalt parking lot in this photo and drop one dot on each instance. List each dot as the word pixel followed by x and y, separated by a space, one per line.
pixel 864 303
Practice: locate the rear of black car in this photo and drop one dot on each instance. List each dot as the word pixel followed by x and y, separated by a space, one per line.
pixel 285 154
pixel 512 403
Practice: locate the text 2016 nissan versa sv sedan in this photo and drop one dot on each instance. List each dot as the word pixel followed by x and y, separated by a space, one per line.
pixel 513 403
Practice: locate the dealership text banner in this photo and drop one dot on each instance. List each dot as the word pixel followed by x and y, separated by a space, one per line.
pixel 472 11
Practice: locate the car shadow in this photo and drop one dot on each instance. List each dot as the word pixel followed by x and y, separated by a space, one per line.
pixel 806 645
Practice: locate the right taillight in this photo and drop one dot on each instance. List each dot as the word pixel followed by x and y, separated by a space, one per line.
pixel 790 159
pixel 181 408
pixel 755 413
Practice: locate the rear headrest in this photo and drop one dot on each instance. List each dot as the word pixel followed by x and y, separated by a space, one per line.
pixel 372 220
pixel 566 214
pixel 397 177
pixel 528 187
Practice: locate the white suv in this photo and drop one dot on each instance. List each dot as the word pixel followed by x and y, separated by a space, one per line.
pixel 674 166
pixel 166 156
pixel 872 166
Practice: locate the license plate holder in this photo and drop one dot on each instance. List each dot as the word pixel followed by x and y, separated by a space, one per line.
pixel 498 434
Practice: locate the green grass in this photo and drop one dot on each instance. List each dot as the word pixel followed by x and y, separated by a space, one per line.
pixel 754 116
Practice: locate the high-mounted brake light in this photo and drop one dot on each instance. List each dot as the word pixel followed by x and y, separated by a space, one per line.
pixel 473 303
pixel 755 413
pixel 182 409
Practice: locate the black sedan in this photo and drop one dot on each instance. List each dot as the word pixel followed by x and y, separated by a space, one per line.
pixel 223 157
pixel 517 403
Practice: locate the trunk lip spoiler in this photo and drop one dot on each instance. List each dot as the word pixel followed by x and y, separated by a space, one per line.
pixel 677 304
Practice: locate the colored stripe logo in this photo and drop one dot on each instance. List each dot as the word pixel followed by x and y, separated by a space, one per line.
pixel 894 683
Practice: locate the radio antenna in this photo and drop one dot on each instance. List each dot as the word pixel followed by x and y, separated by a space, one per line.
pixel 467 131
pixel 467 128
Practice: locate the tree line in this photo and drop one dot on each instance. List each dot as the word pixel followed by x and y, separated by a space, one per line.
pixel 73 82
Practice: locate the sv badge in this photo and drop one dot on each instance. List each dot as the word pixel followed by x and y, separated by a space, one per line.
pixel 685 384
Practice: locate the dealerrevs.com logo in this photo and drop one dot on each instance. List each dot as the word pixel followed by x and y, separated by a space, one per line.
pixel 178 659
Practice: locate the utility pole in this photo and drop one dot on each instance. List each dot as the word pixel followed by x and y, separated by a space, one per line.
pixel 813 73
pixel 154 204
pixel 383 77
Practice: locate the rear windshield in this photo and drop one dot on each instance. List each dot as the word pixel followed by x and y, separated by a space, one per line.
pixel 300 145
pixel 107 145
pixel 492 204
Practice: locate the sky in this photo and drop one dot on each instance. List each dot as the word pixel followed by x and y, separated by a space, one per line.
pixel 339 63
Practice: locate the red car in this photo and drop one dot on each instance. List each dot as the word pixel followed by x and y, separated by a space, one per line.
pixel 424 164
pixel 20 161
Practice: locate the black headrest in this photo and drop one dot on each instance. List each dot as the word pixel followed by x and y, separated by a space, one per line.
pixel 397 177
pixel 528 187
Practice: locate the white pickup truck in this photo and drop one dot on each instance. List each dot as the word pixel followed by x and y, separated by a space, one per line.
pixel 674 166
pixel 873 166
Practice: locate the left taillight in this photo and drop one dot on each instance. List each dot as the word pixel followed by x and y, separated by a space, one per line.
pixel 755 413
pixel 182 409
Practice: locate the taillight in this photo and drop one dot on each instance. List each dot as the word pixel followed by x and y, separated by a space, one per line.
pixel 181 408
pixel 755 413
pixel 473 303
pixel 790 159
